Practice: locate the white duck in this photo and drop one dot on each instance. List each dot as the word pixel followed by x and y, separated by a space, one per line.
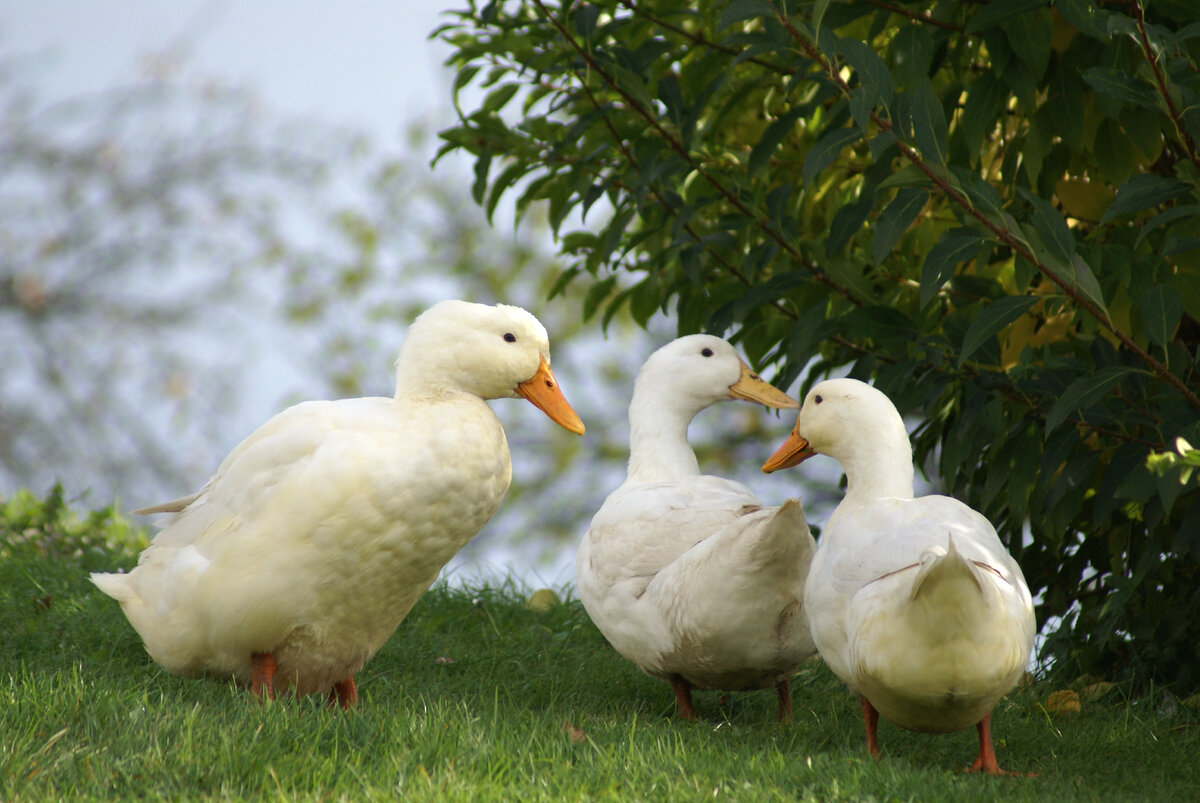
pixel 914 603
pixel 687 575
pixel 320 531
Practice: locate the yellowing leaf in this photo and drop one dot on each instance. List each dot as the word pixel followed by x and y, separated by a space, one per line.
pixel 542 600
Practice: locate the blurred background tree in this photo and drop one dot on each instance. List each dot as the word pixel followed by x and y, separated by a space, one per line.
pixel 991 210
pixel 160 238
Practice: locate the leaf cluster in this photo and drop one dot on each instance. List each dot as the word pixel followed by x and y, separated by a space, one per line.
pixel 991 210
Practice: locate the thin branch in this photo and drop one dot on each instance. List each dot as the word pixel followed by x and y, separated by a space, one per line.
pixel 1144 39
pixel 677 146
pixel 1001 233
pixel 918 17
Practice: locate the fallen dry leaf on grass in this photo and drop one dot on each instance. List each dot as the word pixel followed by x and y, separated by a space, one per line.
pixel 442 660
pixel 1094 691
pixel 1063 702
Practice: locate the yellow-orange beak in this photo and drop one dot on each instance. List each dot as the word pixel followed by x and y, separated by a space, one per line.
pixel 794 451
pixel 543 392
pixel 751 387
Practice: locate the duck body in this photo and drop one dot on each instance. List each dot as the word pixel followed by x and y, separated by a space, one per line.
pixel 320 531
pixel 905 609
pixel 716 600
pixel 914 602
pixel 690 576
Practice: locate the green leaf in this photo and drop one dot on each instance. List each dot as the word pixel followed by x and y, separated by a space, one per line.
pixel 1083 393
pixel 1085 16
pixel 986 96
pixel 872 73
pixel 1165 219
pixel 1161 311
pixel 908 176
pixel 497 98
pixel 1051 225
pixel 645 301
pixel 482 165
pixel 501 184
pixel 1121 85
pixel 929 123
pixel 773 134
pixel 847 221
pixel 1142 192
pixel 953 247
pixel 911 55
pixel 999 10
pixel 1077 274
pixel 994 317
pixel 1030 35
pixel 895 219
pixel 596 295
pixel 740 10
pixel 883 325
pixel 818 15
pixel 1066 100
pixel 1113 152
pixel 826 149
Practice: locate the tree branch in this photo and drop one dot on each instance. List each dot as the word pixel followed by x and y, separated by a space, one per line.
pixel 1001 232
pixel 1180 130
pixel 677 146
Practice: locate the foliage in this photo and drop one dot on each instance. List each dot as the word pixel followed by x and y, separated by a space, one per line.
pixel 990 209
pixel 478 697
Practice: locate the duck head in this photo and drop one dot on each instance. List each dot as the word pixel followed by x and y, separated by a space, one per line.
pixel 847 420
pixel 489 351
pixel 700 370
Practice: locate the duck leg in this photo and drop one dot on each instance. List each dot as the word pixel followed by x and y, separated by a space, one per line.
pixel 986 762
pixel 262 675
pixel 683 697
pixel 784 689
pixel 871 721
pixel 344 693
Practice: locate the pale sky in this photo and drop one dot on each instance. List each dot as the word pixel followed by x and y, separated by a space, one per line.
pixel 369 65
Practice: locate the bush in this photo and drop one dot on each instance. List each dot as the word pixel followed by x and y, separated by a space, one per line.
pixel 991 210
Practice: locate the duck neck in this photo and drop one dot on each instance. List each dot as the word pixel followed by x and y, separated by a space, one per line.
pixel 658 444
pixel 877 468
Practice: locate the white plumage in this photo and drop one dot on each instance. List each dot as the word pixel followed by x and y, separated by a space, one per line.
pixel 689 576
pixel 914 603
pixel 321 530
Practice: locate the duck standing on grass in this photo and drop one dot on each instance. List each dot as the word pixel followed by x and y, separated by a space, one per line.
pixel 914 603
pixel 319 532
pixel 689 576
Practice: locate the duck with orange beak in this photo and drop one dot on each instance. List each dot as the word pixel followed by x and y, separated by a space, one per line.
pixel 319 532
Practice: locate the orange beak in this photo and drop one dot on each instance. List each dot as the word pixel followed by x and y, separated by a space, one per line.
pixel 543 392
pixel 794 451
pixel 753 388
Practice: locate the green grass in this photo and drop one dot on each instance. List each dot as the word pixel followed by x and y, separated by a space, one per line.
pixel 533 706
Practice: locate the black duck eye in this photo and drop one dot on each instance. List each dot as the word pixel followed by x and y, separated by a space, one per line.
pixel 817 399
pixel 509 337
pixel 707 352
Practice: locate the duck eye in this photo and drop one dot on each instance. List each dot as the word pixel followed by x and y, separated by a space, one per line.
pixel 707 352
pixel 509 337
pixel 817 399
